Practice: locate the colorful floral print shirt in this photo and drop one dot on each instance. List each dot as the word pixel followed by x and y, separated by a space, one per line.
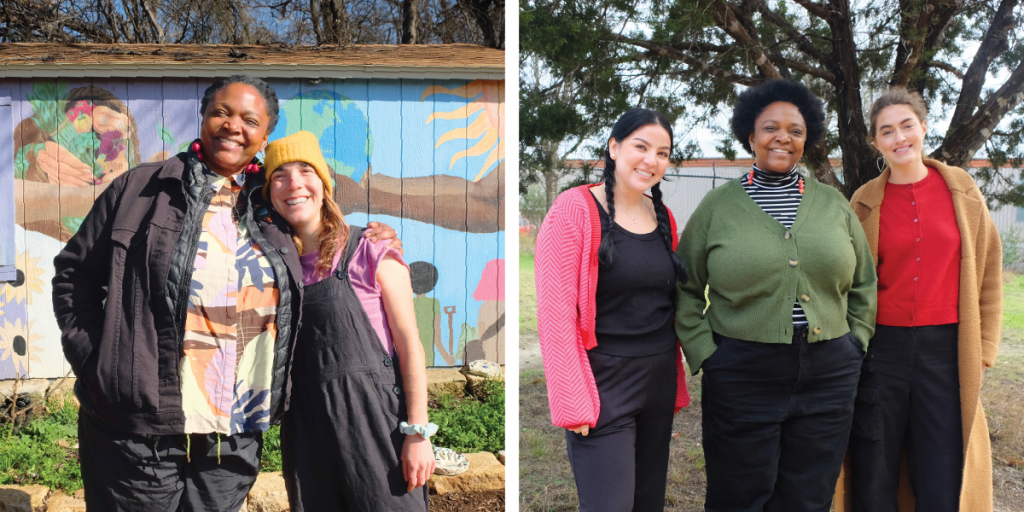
pixel 231 324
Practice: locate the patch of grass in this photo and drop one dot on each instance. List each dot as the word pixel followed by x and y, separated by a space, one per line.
pixel 467 424
pixel 527 296
pixel 42 452
pixel 271 460
pixel 1013 302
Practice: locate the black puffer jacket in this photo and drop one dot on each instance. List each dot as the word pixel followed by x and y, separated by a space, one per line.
pixel 121 291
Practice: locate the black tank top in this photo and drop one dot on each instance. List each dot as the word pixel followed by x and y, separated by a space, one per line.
pixel 635 297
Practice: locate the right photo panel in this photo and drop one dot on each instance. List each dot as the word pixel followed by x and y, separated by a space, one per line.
pixel 771 256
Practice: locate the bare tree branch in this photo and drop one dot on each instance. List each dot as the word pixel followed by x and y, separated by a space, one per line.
pixel 994 43
pixel 672 53
pixel 725 17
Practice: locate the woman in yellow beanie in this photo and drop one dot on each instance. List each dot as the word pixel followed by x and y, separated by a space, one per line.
pixel 356 435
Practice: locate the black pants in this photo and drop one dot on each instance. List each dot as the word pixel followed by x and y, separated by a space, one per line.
pixel 125 472
pixel 776 420
pixel 622 464
pixel 909 397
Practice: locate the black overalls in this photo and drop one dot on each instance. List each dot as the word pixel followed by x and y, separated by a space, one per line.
pixel 340 440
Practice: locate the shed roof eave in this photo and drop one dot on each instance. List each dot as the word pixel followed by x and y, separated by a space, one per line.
pixel 215 70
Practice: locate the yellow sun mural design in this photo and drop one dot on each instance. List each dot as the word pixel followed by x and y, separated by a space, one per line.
pixel 17 342
pixel 487 96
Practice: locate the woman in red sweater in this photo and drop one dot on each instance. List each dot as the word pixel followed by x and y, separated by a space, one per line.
pixel 606 273
pixel 939 311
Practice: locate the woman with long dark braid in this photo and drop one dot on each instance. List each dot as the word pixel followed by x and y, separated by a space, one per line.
pixel 606 275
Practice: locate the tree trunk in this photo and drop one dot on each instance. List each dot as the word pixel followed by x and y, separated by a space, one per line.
pixel 816 159
pixel 858 168
pixel 410 21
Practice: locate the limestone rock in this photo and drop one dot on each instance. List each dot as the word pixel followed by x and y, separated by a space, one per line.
pixel 440 380
pixel 485 474
pixel 501 457
pixel 60 502
pixel 31 386
pixel 475 383
pixel 484 368
pixel 23 498
pixel 269 494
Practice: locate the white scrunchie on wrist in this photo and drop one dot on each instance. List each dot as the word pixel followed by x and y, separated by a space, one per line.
pixel 426 432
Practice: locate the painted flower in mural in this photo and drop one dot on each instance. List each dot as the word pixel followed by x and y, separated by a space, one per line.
pixel 487 96
pixel 17 344
pixel 29 281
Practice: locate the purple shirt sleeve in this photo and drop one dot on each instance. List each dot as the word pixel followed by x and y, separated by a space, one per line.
pixel 362 272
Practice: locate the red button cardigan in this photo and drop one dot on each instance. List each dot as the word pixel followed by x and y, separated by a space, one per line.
pixel 918 254
pixel 565 259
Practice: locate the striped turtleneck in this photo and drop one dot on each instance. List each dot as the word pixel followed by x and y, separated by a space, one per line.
pixel 779 196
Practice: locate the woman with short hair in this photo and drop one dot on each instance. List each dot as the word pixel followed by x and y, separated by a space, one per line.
pixel 790 308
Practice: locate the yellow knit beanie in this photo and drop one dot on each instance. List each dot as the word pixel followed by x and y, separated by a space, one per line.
pixel 300 146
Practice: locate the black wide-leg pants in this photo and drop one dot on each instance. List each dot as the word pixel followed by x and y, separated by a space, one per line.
pixel 776 421
pixel 127 472
pixel 622 464
pixel 909 397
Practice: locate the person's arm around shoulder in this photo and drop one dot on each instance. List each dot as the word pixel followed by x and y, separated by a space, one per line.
pixel 81 274
pixel 396 294
pixel 558 258
pixel 989 257
pixel 862 299
pixel 692 325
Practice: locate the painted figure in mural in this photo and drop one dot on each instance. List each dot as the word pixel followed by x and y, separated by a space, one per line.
pixel 90 140
pixel 491 321
pixel 178 302
pixel 357 436
pixel 606 274
pixel 782 331
pixel 920 388
pixel 428 309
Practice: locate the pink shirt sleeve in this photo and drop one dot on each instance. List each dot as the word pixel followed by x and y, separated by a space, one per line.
pixel 362 272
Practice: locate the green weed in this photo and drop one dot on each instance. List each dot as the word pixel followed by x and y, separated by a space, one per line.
pixel 467 424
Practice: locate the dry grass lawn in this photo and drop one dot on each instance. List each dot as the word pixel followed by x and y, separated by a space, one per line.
pixel 546 482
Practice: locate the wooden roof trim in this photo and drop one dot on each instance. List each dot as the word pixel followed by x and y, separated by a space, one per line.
pixel 454 61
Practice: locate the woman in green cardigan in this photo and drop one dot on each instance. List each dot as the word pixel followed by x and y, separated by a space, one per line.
pixel 792 307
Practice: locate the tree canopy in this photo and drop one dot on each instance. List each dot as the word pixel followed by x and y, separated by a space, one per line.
pixel 690 58
pixel 317 22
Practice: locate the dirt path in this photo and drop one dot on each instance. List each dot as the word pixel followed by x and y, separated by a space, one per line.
pixel 529 352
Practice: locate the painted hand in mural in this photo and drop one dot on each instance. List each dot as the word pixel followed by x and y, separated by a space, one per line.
pixel 107 120
pixel 63 167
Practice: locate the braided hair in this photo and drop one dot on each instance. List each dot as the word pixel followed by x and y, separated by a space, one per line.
pixel 627 124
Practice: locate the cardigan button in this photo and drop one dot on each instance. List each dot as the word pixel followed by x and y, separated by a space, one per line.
pixel 788 235
pixel 805 298
pixel 792 263
pixel 817 330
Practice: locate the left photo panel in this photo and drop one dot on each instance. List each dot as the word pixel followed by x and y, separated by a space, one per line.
pixel 254 277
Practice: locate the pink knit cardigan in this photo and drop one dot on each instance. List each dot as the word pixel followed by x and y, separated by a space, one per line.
pixel 566 274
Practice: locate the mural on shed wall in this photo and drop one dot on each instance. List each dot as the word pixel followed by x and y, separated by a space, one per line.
pixel 425 156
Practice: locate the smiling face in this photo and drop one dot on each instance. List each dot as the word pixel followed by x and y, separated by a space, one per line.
pixel 297 193
pixel 900 135
pixel 778 137
pixel 234 128
pixel 641 158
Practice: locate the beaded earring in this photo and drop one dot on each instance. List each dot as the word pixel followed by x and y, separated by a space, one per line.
pixel 195 149
pixel 800 183
pixel 750 177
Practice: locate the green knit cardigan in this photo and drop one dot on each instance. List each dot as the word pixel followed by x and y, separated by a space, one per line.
pixel 756 269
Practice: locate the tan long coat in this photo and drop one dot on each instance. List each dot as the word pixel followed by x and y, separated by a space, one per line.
pixel 981 307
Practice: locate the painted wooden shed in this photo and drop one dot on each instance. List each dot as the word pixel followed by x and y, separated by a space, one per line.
pixel 413 134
